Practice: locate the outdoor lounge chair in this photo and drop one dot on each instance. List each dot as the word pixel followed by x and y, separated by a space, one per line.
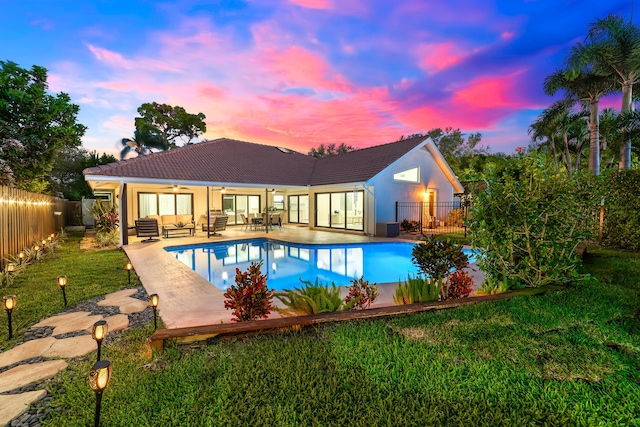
pixel 147 227
pixel 219 224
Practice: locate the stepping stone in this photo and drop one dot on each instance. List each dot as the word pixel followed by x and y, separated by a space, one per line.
pixel 71 347
pixel 13 405
pixel 114 299
pixel 133 306
pixel 117 322
pixel 22 375
pixel 78 324
pixel 62 319
pixel 26 351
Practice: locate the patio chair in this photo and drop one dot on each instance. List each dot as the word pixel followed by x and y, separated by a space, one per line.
pixel 219 224
pixel 147 227
pixel 245 222
pixel 275 220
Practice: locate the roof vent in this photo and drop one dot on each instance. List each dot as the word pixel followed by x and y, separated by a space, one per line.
pixel 284 150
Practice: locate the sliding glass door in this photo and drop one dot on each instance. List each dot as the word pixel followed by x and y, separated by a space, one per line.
pixel 235 205
pixel 299 209
pixel 342 210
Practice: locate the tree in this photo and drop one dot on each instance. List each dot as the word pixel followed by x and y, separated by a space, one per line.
pixel 66 176
pixel 34 126
pixel 587 86
pixel 613 48
pixel 167 123
pixel 141 143
pixel 330 150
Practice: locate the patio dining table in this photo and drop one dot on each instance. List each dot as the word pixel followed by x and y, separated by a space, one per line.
pixel 257 221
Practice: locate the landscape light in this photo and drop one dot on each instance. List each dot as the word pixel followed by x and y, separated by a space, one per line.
pixel 99 333
pixel 154 299
pixel 62 282
pixel 21 257
pixel 9 303
pixel 10 269
pixel 128 267
pixel 99 377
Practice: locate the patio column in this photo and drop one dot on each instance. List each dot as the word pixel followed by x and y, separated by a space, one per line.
pixel 124 224
pixel 266 210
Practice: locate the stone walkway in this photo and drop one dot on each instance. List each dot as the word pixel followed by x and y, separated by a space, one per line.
pixel 50 342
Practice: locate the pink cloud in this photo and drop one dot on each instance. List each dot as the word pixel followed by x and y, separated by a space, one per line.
pixel 490 92
pixel 313 4
pixel 112 59
pixel 298 67
pixel 438 56
pixel 479 106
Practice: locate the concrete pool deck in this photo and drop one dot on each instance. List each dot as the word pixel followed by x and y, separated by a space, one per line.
pixel 187 299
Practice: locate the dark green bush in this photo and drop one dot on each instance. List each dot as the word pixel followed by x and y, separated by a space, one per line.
pixel 437 258
pixel 622 209
pixel 528 223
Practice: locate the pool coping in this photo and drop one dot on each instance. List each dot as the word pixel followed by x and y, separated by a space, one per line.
pixel 189 300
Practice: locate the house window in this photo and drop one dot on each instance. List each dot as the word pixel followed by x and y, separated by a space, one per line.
pixel 278 201
pixel 410 175
pixel 165 204
pixel 343 210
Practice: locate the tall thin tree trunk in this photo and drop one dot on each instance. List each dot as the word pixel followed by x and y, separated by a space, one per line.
pixel 567 153
pixel 594 139
pixel 625 149
pixel 552 141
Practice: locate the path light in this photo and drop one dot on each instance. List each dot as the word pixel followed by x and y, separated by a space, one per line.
pixel 154 299
pixel 99 377
pixel 10 269
pixel 9 303
pixel 21 257
pixel 99 333
pixel 36 248
pixel 62 282
pixel 128 267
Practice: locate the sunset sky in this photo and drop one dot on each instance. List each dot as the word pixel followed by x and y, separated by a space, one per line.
pixel 298 73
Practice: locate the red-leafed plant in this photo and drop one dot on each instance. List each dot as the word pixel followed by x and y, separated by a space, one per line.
pixel 459 285
pixel 362 293
pixel 249 298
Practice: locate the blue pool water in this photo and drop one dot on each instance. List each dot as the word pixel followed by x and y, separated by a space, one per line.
pixel 285 263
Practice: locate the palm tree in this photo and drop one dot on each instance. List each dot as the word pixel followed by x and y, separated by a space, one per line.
pixel 613 48
pixel 558 123
pixel 141 143
pixel 587 86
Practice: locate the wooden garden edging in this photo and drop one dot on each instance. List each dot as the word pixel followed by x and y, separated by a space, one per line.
pixel 202 333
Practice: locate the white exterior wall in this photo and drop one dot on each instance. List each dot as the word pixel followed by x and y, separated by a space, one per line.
pixel 431 178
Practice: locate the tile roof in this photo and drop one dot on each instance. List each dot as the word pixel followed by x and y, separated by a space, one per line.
pixel 233 161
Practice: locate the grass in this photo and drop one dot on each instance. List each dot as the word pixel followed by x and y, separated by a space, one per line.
pixel 564 358
pixel 89 274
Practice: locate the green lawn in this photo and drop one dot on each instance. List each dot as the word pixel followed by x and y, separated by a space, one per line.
pixel 570 357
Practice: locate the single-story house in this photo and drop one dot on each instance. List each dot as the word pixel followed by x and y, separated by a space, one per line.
pixel 350 192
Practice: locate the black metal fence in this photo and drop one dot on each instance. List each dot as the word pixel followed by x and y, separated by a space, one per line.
pixel 26 218
pixel 432 218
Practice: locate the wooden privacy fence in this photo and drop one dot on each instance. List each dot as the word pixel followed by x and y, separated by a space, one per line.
pixel 26 218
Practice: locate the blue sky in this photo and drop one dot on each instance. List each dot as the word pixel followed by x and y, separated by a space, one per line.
pixel 298 73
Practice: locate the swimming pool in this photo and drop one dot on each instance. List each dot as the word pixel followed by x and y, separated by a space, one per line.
pixel 285 263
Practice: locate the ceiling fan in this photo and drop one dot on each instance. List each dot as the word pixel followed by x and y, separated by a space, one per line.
pixel 177 187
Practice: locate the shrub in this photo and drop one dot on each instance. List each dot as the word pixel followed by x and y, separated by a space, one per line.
pixel 491 286
pixel 436 258
pixel 106 215
pixel 417 289
pixel 528 223
pixel 107 238
pixel 455 217
pixel 459 285
pixel 622 204
pixel 312 298
pixel 249 298
pixel 407 225
pixel 361 293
